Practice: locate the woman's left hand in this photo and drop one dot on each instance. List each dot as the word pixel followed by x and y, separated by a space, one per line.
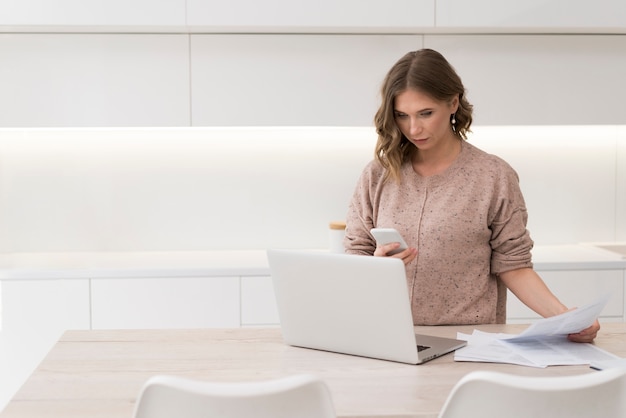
pixel 587 335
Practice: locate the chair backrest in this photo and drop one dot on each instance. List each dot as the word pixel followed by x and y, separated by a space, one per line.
pixel 491 394
pixel 299 396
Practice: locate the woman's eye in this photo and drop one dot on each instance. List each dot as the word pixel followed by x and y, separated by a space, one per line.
pixel 426 113
pixel 400 115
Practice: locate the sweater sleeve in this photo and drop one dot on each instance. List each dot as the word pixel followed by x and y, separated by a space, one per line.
pixel 360 216
pixel 510 240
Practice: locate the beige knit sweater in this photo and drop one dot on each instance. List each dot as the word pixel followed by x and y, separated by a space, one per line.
pixel 468 224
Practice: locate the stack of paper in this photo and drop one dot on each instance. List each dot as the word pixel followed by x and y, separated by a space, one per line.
pixel 608 364
pixel 542 344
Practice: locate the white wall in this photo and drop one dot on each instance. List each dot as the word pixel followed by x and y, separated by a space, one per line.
pixel 173 189
pixel 571 176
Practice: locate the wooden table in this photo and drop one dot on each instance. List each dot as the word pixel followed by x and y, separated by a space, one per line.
pixel 99 373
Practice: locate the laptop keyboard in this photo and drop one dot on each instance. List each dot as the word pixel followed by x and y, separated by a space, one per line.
pixel 421 348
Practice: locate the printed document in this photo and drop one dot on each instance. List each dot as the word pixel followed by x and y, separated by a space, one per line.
pixel 542 344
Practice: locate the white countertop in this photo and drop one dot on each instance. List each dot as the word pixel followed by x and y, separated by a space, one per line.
pixel 159 264
pixel 153 264
pixel 576 257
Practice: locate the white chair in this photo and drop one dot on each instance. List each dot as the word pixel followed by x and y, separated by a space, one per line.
pixel 299 396
pixel 491 394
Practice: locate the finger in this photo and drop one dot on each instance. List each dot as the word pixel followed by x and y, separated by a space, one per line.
pixel 586 339
pixel 583 337
pixel 391 249
pixel 408 255
pixel 384 250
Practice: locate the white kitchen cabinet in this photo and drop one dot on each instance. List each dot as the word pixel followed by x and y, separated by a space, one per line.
pixel 577 288
pixel 539 80
pixel 34 315
pixel 258 304
pixel 620 195
pixel 532 15
pixel 76 80
pixel 96 13
pixel 198 302
pixel 44 308
pixel 330 16
pixel 291 80
pixel 311 16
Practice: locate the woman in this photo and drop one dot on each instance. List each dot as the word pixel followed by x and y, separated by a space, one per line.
pixel 460 209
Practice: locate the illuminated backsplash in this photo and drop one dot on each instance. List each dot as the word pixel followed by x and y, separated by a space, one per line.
pixel 252 188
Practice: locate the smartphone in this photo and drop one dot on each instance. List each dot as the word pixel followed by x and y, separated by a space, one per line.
pixel 386 235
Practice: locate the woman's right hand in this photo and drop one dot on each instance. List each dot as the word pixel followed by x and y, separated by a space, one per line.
pixel 406 256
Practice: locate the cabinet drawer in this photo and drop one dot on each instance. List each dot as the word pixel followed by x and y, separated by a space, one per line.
pixel 165 303
pixel 258 304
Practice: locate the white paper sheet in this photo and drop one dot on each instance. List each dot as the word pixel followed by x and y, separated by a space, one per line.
pixel 542 344
pixel 486 347
pixel 569 322
pixel 608 364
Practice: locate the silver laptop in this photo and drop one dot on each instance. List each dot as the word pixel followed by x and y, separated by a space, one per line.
pixel 349 304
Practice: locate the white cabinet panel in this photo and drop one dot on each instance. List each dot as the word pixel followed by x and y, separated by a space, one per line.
pixel 620 207
pixel 307 80
pixel 165 303
pixel 92 12
pixel 539 14
pixel 541 80
pixel 577 288
pixel 303 16
pixel 44 308
pixel 258 304
pixel 94 80
pixel 34 315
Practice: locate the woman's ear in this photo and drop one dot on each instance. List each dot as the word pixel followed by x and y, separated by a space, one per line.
pixel 454 104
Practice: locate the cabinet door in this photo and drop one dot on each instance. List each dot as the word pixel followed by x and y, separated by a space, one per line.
pixel 165 303
pixel 100 13
pixel 315 16
pixel 94 80
pixel 531 15
pixel 34 315
pixel 44 307
pixel 298 80
pixel 621 185
pixel 258 304
pixel 577 288
pixel 526 79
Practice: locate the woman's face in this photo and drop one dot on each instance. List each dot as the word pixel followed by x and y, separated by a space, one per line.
pixel 424 121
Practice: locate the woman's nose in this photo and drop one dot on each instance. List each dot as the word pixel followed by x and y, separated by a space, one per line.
pixel 415 127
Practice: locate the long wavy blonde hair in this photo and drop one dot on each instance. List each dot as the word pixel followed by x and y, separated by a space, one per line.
pixel 428 72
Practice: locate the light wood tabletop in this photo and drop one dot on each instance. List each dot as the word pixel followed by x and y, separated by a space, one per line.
pixel 100 373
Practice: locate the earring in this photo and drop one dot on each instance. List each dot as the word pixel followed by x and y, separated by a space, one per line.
pixel 453 122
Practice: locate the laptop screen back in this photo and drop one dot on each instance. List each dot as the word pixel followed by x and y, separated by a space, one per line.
pixel 344 303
